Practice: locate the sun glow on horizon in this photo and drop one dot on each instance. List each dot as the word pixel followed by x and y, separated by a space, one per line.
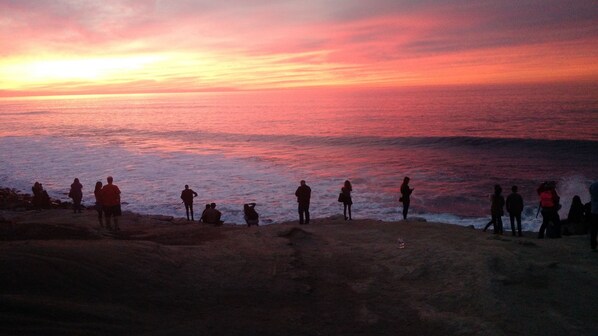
pixel 65 47
pixel 83 69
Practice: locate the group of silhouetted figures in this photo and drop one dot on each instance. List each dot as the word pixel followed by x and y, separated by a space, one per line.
pixel 581 217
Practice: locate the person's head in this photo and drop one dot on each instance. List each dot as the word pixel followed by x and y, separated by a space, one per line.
pixel 186 186
pixel 245 207
pixel 302 182
pixel 98 186
pixel 109 179
pixel 347 184
pixel 576 199
pixel 514 189
pixel 406 180
pixel 76 180
pixel 207 206
pixel 213 205
pixel 497 189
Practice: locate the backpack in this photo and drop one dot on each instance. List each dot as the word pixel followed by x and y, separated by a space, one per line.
pixel 547 199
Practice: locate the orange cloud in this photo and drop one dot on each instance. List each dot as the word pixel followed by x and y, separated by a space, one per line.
pixel 119 46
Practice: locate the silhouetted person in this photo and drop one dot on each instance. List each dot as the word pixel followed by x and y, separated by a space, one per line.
pixel 212 215
pixel 550 204
pixel 496 209
pixel 187 197
pixel 97 192
pixel 594 215
pixel 45 198
pixel 406 196
pixel 111 204
pixel 250 215
pixel 37 191
pixel 203 214
pixel 575 222
pixel 303 194
pixel 346 199
pixel 76 193
pixel 515 207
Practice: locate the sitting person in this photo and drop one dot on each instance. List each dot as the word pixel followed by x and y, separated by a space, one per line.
pixel 203 214
pixel 251 216
pixel 212 216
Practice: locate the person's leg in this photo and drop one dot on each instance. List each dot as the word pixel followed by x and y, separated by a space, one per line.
pixel 191 210
pixel 300 209
pixel 518 219
pixel 495 224
pixel 512 219
pixel 100 219
pixel 307 214
pixel 345 210
pixel 107 215
pixel 405 209
pixel 350 212
pixel 593 230
pixel 500 226
pixel 545 219
pixel 488 225
pixel 115 216
pixel 187 210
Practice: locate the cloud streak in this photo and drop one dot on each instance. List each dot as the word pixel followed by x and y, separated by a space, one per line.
pixel 204 45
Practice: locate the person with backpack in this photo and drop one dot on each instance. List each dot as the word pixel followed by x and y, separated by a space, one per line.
pixel 550 205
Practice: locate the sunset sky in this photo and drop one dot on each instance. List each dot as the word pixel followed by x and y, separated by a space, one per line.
pixel 126 46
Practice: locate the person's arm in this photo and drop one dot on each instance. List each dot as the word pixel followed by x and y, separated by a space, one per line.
pixel 195 194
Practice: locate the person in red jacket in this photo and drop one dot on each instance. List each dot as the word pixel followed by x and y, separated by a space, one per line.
pixel 111 203
pixel 550 205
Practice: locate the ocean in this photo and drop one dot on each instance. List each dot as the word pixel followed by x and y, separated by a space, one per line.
pixel 454 143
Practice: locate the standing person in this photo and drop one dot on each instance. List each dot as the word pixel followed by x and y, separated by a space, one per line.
pixel 251 216
pixel 496 209
pixel 346 199
pixel 111 203
pixel 549 203
pixel 76 193
pixel 303 194
pixel 187 197
pixel 515 207
pixel 406 196
pixel 575 222
pixel 594 215
pixel 97 192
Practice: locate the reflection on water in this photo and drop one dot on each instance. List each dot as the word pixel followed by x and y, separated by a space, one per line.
pixel 256 146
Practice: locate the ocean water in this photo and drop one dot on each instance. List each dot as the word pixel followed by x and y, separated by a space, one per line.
pixel 236 147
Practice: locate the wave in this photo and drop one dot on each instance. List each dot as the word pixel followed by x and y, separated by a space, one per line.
pixel 27 113
pixel 580 147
